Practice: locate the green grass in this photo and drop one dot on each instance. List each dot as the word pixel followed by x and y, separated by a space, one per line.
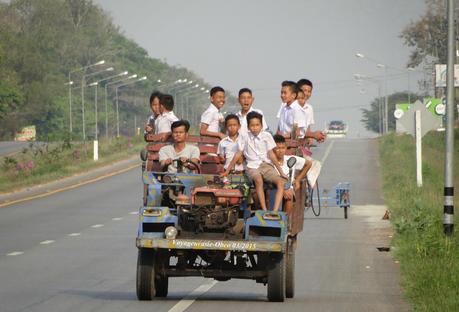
pixel 39 164
pixel 429 261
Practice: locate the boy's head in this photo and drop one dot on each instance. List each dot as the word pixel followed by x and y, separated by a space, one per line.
pixel 281 147
pixel 217 96
pixel 167 102
pixel 245 99
pixel 232 124
pixel 301 98
pixel 179 130
pixel 254 122
pixel 289 91
pixel 306 86
pixel 154 102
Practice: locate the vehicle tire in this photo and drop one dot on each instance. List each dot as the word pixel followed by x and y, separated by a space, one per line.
pixel 161 280
pixel 145 281
pixel 290 271
pixel 276 281
pixel 345 212
pixel 162 285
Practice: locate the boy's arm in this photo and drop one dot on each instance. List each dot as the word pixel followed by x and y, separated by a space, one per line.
pixel 203 131
pixel 273 159
pixel 302 174
pixel 236 157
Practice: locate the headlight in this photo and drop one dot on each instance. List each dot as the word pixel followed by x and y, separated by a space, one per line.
pixel 170 232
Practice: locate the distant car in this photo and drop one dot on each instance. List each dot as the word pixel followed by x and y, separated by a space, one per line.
pixel 337 127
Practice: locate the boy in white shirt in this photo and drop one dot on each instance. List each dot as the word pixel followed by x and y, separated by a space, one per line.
pixel 305 85
pixel 155 109
pixel 257 148
pixel 212 117
pixel 308 116
pixel 290 123
pixel 228 146
pixel 246 100
pixel 164 121
pixel 180 149
pixel 301 164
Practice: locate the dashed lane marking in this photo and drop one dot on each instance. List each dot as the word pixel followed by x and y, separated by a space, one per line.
pixel 183 304
pixel 15 253
pixel 74 234
pixel 95 226
pixel 133 212
pixel 117 219
pixel 327 152
pixel 47 242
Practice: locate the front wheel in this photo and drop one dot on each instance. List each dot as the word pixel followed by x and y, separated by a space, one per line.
pixel 276 281
pixel 145 281
pixel 290 270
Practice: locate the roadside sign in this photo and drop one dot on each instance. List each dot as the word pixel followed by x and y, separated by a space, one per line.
pixel 440 75
pixel 26 134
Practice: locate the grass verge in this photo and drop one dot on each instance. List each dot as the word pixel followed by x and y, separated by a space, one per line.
pixel 41 163
pixel 429 261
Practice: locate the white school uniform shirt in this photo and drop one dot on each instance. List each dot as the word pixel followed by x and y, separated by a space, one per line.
pixel 300 161
pixel 227 147
pixel 243 120
pixel 289 115
pixel 164 121
pixel 308 116
pixel 255 148
pixel 212 117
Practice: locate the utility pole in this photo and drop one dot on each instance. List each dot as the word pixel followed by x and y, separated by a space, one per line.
pixel 448 208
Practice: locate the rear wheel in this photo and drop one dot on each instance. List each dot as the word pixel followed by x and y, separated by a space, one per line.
pixel 276 280
pixel 290 269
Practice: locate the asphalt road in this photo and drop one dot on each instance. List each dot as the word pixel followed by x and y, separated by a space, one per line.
pixel 9 147
pixel 75 251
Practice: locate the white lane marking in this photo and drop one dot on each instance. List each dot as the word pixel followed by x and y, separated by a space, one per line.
pixel 47 242
pixel 117 219
pixel 15 253
pixel 367 267
pixel 133 212
pixel 183 304
pixel 74 234
pixel 327 152
pixel 95 226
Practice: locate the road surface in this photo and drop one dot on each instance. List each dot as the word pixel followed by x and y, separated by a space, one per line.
pixel 75 251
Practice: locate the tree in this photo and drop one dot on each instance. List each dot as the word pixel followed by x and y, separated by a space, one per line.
pixel 370 117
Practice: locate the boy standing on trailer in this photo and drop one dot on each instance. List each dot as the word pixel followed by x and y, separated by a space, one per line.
pixel 246 100
pixel 212 117
pixel 306 86
pixel 164 121
pixel 290 123
pixel 257 148
pixel 228 147
pixel 155 109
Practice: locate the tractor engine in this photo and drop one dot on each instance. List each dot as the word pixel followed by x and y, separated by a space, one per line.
pixel 212 209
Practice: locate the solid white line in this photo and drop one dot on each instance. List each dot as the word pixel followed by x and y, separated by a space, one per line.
pixel 327 152
pixel 183 304
pixel 15 253
pixel 47 242
pixel 95 226
pixel 74 234
pixel 117 219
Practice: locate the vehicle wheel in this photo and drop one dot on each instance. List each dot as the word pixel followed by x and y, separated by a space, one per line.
pixel 145 281
pixel 276 281
pixel 290 271
pixel 345 212
pixel 162 285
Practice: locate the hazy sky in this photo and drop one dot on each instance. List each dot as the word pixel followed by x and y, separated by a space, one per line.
pixel 258 44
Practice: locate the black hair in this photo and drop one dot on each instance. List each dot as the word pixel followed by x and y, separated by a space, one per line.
pixel 254 115
pixel 167 101
pixel 278 138
pixel 216 89
pixel 231 116
pixel 180 123
pixel 155 94
pixel 245 90
pixel 304 82
pixel 291 84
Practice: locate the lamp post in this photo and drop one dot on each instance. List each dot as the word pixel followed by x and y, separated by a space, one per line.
pixel 117 106
pixel 70 83
pixel 106 95
pixel 83 83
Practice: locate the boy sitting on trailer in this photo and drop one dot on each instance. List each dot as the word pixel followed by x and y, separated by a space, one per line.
pixel 227 147
pixel 164 121
pixel 257 148
pixel 212 117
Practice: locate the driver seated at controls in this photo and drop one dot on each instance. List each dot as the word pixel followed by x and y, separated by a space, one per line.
pixel 179 156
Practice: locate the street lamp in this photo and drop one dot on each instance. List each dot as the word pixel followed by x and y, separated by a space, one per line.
pixel 117 106
pixel 113 83
pixel 83 83
pixel 70 83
